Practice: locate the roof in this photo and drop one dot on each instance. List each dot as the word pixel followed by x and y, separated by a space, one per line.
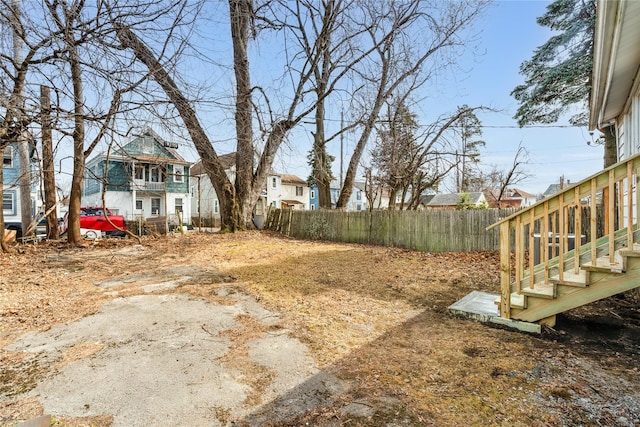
pixel 293 202
pixel 615 60
pixel 452 199
pixel 227 160
pixel 360 185
pixel 292 179
pixel 426 198
pixel 552 189
pixel 515 192
pixel 131 150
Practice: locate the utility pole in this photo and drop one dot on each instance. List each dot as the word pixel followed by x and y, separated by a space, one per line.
pixel 48 173
pixel 341 144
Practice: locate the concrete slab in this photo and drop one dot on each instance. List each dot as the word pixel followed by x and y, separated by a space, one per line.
pixel 477 305
pixel 481 306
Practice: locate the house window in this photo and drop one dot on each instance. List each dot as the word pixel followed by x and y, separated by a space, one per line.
pixel 358 207
pixel 156 174
pixel 313 194
pixel 147 145
pixel 155 206
pixel 178 205
pixel 359 196
pixel 298 191
pixel 140 172
pixel 313 207
pixel 7 159
pixel 139 204
pixel 178 174
pixel 8 203
pixel 216 206
pixel 274 182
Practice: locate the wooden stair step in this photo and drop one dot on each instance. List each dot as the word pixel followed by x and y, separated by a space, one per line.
pixel 604 265
pixel 570 278
pixel 540 290
pixel 634 251
pixel 517 301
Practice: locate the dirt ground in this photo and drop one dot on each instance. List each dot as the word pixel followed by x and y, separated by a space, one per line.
pixel 293 333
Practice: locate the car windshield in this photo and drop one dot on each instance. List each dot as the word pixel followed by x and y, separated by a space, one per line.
pixel 91 212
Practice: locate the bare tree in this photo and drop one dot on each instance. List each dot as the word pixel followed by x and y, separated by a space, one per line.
pixel 14 68
pixel 409 162
pixel 399 61
pixel 88 52
pixel 497 180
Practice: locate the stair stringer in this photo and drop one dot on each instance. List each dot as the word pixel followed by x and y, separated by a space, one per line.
pixel 600 285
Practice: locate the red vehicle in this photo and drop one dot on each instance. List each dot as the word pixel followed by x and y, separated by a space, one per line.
pixel 93 221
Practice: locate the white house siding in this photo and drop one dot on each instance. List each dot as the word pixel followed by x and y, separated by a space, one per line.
pixel 122 203
pixel 205 197
pixel 630 130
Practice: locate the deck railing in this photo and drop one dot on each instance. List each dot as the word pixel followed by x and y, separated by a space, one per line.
pixel 557 235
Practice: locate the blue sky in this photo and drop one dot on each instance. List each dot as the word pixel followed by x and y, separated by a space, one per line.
pixel 508 36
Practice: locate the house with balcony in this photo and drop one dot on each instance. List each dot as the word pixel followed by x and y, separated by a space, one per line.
pixel 144 178
pixel 578 262
pixel 11 198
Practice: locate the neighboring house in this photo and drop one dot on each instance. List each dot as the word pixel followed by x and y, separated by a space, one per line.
pixel 205 204
pixel 145 178
pixel 453 200
pixel 512 198
pixel 280 190
pixel 615 91
pixel 555 188
pixel 11 207
pixel 424 201
pixel 526 199
pixel 286 191
pixel 314 201
pixel 358 199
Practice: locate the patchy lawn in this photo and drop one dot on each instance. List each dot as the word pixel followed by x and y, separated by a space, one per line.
pixel 376 318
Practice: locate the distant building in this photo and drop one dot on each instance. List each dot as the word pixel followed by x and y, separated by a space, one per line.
pixel 357 202
pixel 205 204
pixel 512 198
pixel 453 200
pixel 145 178
pixel 287 191
pixel 11 199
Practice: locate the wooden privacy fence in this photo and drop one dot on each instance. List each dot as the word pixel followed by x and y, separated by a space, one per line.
pixel 429 231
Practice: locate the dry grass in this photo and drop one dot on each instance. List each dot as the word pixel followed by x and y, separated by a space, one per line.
pixel 377 317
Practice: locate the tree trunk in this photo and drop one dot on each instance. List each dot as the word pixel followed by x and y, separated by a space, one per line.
pixel 350 176
pixel 320 160
pixel 48 173
pixel 610 147
pixel 3 245
pixel 276 136
pixel 75 197
pixel 241 12
pixel 230 213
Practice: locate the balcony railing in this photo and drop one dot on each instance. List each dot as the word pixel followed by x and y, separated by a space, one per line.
pixel 148 186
